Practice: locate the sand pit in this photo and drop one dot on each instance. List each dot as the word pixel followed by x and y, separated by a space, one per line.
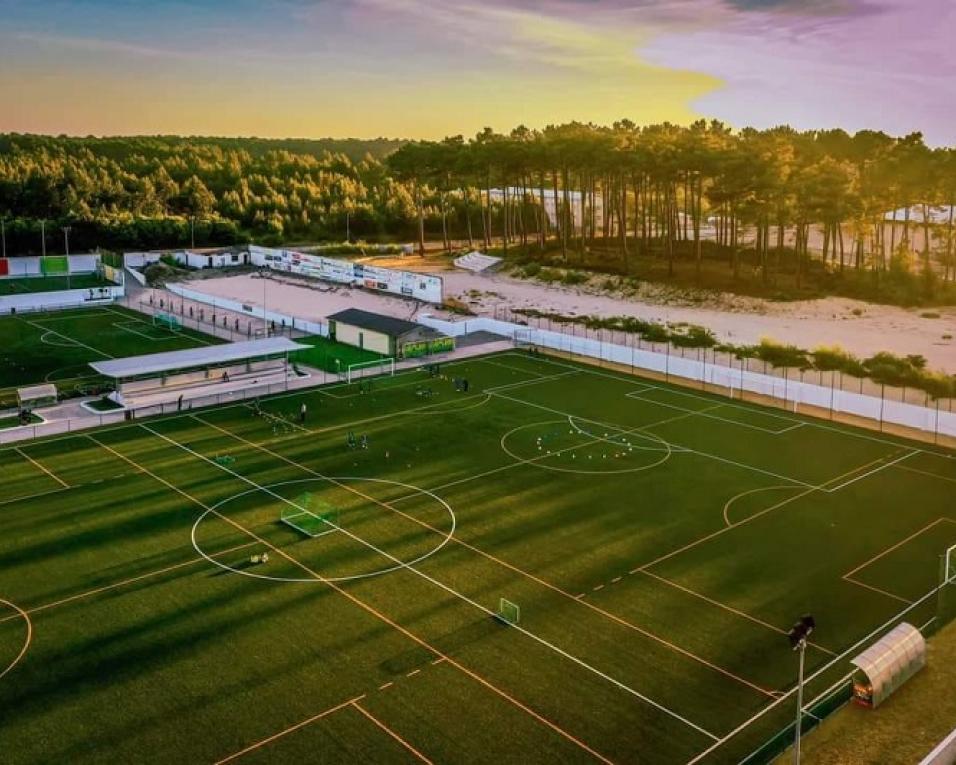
pixel 861 328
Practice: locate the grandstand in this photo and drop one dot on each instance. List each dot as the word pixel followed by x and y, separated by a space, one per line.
pixel 186 375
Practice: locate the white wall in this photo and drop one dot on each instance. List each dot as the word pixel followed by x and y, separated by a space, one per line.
pixel 789 391
pixel 42 301
pixel 371 340
pixel 30 266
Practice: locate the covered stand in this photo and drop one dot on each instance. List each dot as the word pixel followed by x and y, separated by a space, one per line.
pixel 887 664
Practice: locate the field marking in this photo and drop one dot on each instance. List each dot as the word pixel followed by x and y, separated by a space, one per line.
pixel 65 337
pixel 849 575
pixel 926 473
pixel 36 464
pixel 486 360
pixel 727 505
pixel 811 421
pixel 749 518
pixel 687 449
pixel 731 609
pixel 607 614
pixel 769 431
pixel 290 729
pixel 533 381
pixel 125 582
pixel 421 757
pixel 298 726
pixel 379 615
pixel 28 638
pixel 869 473
pixel 811 677
pixel 902 542
pixel 31 496
pixel 877 590
pixel 191 336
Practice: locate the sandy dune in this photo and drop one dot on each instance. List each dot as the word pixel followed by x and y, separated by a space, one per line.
pixel 861 328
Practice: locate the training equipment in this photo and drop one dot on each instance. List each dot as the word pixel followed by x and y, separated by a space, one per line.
pixel 508 612
pixel 310 515
pixel 224 459
pixel 382 366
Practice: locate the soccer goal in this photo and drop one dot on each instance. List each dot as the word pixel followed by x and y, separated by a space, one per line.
pixel 167 321
pixel 508 612
pixel 383 366
pixel 946 605
pixel 310 516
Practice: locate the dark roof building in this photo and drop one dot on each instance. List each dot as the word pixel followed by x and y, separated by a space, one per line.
pixel 375 322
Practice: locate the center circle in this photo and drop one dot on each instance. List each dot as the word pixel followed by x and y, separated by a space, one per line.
pixel 272 495
pixel 584 447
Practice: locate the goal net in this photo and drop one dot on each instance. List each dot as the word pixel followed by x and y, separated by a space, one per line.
pixel 946 610
pixel 310 516
pixel 383 366
pixel 508 612
pixel 167 321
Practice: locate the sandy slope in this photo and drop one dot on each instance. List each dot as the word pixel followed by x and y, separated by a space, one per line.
pixel 807 324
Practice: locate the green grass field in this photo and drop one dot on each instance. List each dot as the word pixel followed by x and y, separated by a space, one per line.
pixel 19 286
pixel 658 542
pixel 331 356
pixel 57 346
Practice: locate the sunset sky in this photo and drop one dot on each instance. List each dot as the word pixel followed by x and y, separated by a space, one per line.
pixel 430 68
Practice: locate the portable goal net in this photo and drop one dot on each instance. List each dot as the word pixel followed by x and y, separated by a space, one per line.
pixel 310 516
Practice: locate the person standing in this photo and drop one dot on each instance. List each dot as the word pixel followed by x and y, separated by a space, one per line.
pixel 302 411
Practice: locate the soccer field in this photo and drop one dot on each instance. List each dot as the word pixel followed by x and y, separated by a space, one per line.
pixel 658 542
pixel 57 346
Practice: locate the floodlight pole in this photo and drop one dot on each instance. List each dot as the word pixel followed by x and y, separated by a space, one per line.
pixel 66 246
pixel 802 647
pixel 3 237
pixel 43 238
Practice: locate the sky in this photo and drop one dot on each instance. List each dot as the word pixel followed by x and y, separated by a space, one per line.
pixel 432 68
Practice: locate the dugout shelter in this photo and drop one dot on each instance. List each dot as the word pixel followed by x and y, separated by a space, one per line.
pixel 186 375
pixel 887 664
pixel 34 396
pixel 386 335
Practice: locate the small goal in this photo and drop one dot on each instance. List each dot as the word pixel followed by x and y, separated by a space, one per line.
pixel 167 321
pixel 508 612
pixel 946 593
pixel 310 516
pixel 383 366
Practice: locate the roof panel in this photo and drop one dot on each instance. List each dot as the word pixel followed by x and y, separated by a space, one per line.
pixel 209 355
pixel 376 322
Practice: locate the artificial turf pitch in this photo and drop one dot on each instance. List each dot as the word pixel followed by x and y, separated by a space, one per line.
pixel 658 542
pixel 58 346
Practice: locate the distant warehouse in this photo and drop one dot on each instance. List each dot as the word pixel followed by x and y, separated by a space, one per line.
pixel 386 334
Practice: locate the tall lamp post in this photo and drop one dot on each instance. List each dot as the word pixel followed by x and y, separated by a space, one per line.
pixel 66 247
pixel 799 634
pixel 3 237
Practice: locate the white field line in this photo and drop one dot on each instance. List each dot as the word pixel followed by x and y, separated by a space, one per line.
pixel 133 319
pixel 682 447
pixel 926 473
pixel 291 729
pixel 65 337
pixel 748 519
pixel 509 367
pixel 532 460
pixel 809 422
pixel 535 381
pixel 123 326
pixel 499 561
pixel 899 544
pixel 357 601
pixel 33 496
pixel 877 590
pixel 421 757
pixel 125 582
pixel 769 431
pixel 813 675
pixel 869 473
pixel 730 609
pixel 451 591
pixel 37 465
